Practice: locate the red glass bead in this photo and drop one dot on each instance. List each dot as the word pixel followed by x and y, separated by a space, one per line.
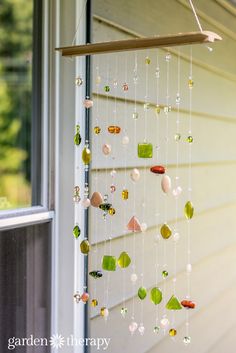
pixel 84 297
pixel 158 169
pixel 188 304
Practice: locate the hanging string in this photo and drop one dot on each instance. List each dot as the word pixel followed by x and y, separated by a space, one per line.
pixel 97 143
pixel 177 190
pixel 166 111
pixel 157 75
pixel 125 141
pixel 187 338
pixel 79 22
pixel 135 117
pixel 144 224
pixel 195 15
pixel 107 236
pixel 198 21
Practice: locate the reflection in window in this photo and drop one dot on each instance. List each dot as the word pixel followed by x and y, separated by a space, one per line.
pixel 16 27
pixel 25 277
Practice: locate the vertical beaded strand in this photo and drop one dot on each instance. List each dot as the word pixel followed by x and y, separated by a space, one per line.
pixel 176 191
pixel 143 292
pixel 188 206
pixel 97 131
pixel 165 188
pixel 76 198
pixel 135 175
pixel 157 236
pixel 125 191
pixel 106 148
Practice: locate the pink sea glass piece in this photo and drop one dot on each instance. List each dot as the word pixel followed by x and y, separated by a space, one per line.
pixel 88 103
pixel 134 225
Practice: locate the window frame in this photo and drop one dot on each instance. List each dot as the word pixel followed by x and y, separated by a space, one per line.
pixel 40 210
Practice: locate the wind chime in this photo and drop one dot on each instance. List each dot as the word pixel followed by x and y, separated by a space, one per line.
pixel 110 133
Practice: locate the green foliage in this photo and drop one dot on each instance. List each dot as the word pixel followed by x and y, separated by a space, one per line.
pixel 15 101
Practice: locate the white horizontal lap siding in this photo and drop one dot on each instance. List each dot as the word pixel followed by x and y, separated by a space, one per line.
pixel 213 235
pixel 209 302
pixel 207 85
pixel 212 177
pixel 208 237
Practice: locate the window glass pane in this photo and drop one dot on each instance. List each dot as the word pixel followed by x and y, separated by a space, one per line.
pixel 16 82
pixel 25 274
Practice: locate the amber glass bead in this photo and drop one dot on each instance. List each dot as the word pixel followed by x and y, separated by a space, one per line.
pixel 165 231
pixel 86 155
pixel 97 130
pixel 111 211
pixel 189 210
pixel 172 332
pixel 157 109
pixel 114 129
pixel 190 82
pixel 94 302
pixel 125 194
pixel 85 247
pixel 190 139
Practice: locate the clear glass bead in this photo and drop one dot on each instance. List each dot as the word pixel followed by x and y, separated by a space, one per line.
pixel 187 340
pixel 157 72
pixel 79 81
pixel 177 137
pixel 177 100
pixel 146 106
pixel 98 80
pixel 168 57
pixel 167 109
pixel 141 329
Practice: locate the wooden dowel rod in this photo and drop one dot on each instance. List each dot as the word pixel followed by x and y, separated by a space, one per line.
pixel 140 43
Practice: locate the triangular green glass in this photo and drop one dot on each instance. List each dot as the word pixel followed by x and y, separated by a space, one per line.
pixel 173 304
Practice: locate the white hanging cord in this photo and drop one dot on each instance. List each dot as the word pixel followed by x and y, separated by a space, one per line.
pixel 79 21
pixel 195 15
pixel 198 21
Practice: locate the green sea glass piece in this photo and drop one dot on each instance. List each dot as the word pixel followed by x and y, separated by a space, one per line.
pixel 156 295
pixel 173 304
pixel 105 206
pixel 96 274
pixel 86 155
pixel 124 260
pixel 165 231
pixel 142 293
pixel 145 150
pixel 109 263
pixel 85 247
pixel 76 231
pixel 189 210
pixel 77 137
